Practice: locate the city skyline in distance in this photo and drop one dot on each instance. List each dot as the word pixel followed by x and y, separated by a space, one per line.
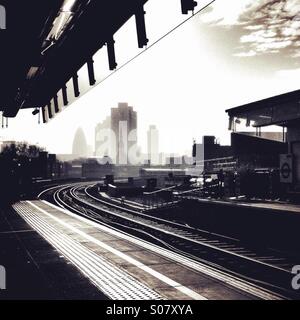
pixel 116 139
pixel 183 85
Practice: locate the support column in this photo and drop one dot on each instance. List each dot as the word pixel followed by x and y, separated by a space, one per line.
pixel 76 85
pixel 90 65
pixel 111 54
pixel 65 95
pixel 141 27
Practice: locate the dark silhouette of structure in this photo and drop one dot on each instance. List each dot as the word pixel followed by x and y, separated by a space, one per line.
pixel 283 111
pixel 56 39
pixel 209 149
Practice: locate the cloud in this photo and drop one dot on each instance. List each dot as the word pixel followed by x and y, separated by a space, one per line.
pixel 250 53
pixel 267 26
pixel 271 27
pixel 225 13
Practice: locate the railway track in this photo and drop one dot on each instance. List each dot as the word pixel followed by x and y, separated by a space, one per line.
pixel 265 268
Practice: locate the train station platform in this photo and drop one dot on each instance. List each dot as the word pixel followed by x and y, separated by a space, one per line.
pixel 83 259
pixel 35 269
pixel 257 205
pixel 272 206
pixel 266 223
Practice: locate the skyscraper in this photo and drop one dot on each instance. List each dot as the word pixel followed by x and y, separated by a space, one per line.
pixel 80 147
pixel 102 138
pixel 124 125
pixel 153 145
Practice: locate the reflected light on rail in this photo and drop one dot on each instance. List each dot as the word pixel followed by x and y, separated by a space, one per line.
pixel 68 5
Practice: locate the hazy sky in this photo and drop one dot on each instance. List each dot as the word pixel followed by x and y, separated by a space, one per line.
pixel 235 52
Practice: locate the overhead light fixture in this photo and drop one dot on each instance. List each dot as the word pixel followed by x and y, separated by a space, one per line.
pixel 265 117
pixel 60 24
pixel 36 111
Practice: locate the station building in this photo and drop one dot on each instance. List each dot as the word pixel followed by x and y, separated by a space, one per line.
pixel 283 112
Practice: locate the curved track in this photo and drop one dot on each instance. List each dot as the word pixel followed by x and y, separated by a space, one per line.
pixel 263 268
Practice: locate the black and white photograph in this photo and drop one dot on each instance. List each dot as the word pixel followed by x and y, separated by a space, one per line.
pixel 150 152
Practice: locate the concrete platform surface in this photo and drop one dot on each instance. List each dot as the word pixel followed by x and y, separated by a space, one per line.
pixel 273 206
pixel 35 269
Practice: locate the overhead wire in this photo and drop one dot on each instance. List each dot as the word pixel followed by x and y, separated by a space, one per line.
pixel 157 41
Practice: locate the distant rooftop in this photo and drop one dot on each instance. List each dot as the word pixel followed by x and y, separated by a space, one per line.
pixel 163 169
pixel 279 99
pixel 279 110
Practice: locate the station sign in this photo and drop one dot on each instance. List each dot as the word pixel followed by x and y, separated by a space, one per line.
pixel 286 168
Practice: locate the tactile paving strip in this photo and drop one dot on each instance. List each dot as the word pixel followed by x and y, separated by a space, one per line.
pixel 111 280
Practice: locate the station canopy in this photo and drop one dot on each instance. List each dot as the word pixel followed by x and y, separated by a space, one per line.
pixel 45 42
pixel 282 110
